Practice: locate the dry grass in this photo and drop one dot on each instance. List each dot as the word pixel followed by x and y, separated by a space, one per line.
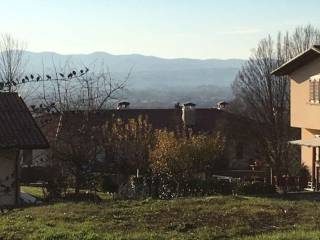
pixel 218 217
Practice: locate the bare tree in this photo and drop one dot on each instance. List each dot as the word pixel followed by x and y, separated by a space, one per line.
pixel 302 38
pixel 11 62
pixel 80 90
pixel 76 96
pixel 265 97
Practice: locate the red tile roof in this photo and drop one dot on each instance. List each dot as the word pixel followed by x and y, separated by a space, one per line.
pixel 207 119
pixel 18 129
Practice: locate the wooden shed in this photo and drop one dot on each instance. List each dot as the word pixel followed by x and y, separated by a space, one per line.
pixel 19 133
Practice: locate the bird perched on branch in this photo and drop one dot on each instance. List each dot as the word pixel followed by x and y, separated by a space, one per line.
pixel 48 76
pixel 61 75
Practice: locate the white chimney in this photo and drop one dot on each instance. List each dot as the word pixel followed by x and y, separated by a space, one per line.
pixel 123 105
pixel 222 105
pixel 189 114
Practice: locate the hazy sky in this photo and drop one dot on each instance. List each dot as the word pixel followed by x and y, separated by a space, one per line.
pixel 165 28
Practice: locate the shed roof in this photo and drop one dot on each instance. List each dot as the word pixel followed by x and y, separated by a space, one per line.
pixel 298 61
pixel 18 129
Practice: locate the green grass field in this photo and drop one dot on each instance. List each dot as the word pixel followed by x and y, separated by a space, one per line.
pixel 218 217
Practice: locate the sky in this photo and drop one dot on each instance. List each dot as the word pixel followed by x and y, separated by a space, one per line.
pixel 165 28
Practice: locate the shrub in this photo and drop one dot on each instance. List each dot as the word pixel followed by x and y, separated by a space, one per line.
pixel 255 188
pixel 182 157
pixel 135 188
pixel 109 184
pixel 165 187
pixel 80 197
pixel 127 145
pixel 199 187
pixel 168 189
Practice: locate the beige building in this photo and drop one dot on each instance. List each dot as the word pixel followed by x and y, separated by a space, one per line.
pixel 304 74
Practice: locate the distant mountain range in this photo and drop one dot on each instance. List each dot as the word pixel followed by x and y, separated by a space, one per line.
pixel 146 71
pixel 153 82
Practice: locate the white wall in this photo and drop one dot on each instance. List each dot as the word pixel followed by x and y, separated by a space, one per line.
pixel 8 177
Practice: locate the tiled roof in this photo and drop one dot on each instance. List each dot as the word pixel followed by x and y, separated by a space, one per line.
pixel 298 61
pixel 18 129
pixel 49 124
pixel 207 119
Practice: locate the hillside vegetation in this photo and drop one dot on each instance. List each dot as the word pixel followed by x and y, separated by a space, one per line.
pixel 218 217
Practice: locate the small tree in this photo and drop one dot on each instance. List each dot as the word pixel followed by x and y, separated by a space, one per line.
pixel 127 145
pixel 181 158
pixel 76 149
pixel 76 96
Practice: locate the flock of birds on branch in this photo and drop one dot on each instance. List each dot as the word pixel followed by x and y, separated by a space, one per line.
pixel 47 77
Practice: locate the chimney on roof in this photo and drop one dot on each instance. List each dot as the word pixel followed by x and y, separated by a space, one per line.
pixel 189 114
pixel 177 105
pixel 222 105
pixel 123 105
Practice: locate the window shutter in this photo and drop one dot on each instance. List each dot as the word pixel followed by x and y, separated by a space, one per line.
pixel 311 91
pixel 316 91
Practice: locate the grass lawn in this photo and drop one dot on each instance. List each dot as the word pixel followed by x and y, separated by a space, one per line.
pixel 34 191
pixel 38 192
pixel 218 217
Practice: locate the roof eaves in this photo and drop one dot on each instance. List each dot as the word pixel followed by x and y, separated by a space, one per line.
pixel 284 68
pixel 45 143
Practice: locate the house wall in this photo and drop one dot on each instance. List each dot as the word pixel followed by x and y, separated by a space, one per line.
pixel 8 183
pixel 303 113
pixel 306 152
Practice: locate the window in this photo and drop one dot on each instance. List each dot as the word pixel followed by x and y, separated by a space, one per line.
pixel 314 90
pixel 27 157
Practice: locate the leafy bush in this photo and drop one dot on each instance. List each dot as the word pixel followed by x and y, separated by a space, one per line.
pixel 182 157
pixel 199 187
pixel 127 145
pixel 255 188
pixel 168 189
pixel 164 187
pixel 135 188
pixel 109 184
pixel 80 197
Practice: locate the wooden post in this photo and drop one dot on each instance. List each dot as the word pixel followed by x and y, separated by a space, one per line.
pixel 313 176
pixel 17 177
pixel 317 177
pixel 317 168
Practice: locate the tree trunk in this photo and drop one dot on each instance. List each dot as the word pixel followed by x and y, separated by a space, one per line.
pixel 77 182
